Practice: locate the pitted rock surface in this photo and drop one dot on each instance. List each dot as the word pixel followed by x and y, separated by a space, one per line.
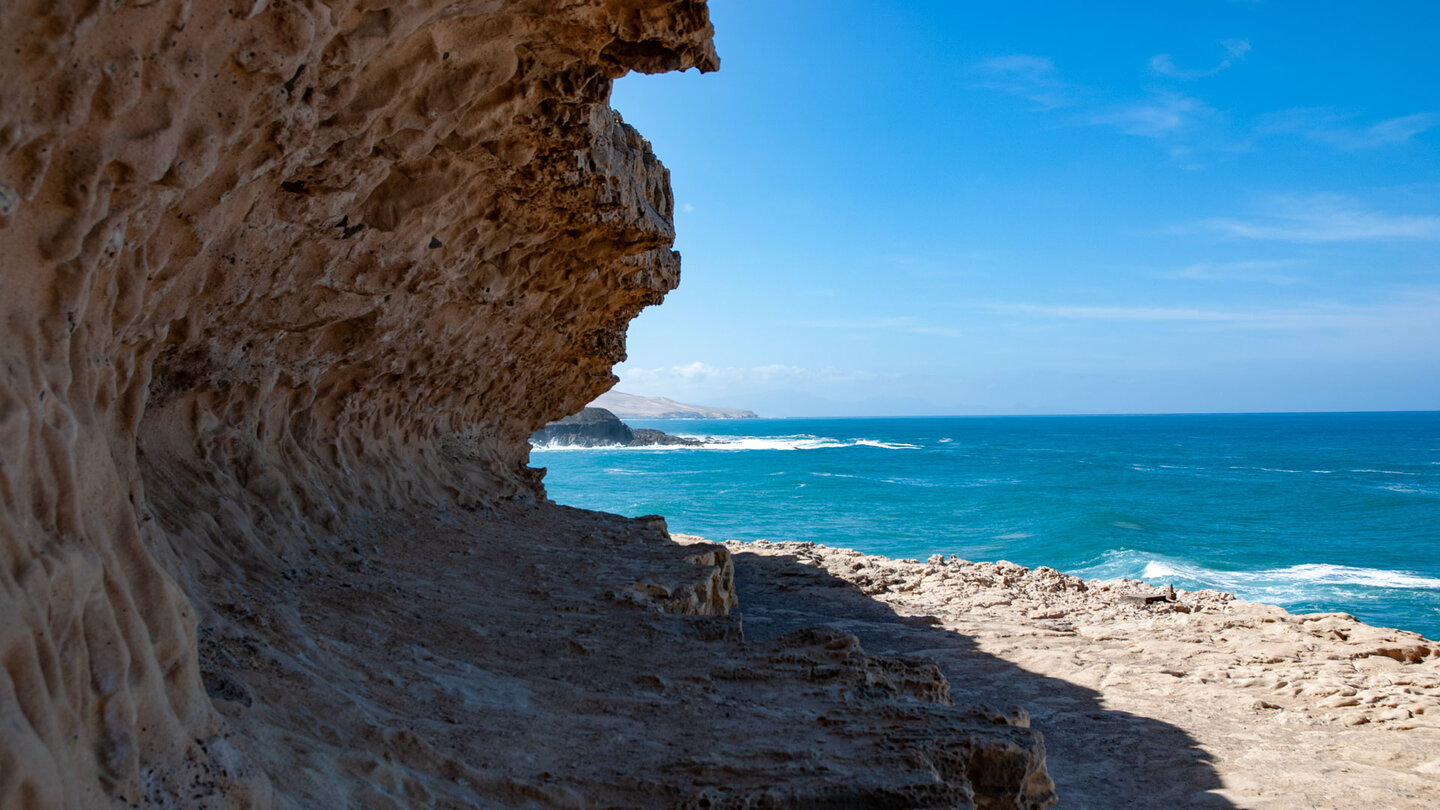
pixel 1146 697
pixel 268 266
pixel 287 285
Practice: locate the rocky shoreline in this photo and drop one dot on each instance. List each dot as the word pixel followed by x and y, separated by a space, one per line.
pixel 539 656
pixel 597 427
pixel 1144 701
pixel 288 289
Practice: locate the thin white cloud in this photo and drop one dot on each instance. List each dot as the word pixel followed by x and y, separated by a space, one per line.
pixel 1031 77
pixel 1338 129
pixel 1162 115
pixel 687 208
pixel 1323 218
pixel 936 331
pixel 1185 158
pixel 862 323
pixel 1164 64
pixel 1188 125
pixel 1037 78
pixel 1416 306
pixel 1264 271
pixel 1115 313
pixel 908 324
pixel 700 373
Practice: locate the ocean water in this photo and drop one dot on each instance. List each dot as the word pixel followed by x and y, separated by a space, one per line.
pixel 1314 512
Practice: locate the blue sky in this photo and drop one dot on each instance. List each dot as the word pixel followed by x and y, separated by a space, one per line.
pixel 892 208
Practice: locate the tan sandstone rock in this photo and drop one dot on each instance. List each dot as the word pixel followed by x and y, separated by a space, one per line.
pixel 1148 697
pixel 287 284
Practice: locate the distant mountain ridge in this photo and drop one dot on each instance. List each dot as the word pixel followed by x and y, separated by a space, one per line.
pixel 629 406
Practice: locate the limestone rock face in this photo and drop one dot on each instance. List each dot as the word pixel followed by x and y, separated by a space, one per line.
pixel 287 286
pixel 266 266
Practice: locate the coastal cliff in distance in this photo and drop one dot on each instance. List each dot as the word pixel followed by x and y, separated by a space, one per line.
pixel 288 286
pixel 597 427
pixel 629 406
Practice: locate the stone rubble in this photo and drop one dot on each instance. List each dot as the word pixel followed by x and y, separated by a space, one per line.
pixel 1280 705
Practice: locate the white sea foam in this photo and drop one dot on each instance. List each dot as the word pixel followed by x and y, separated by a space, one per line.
pixel 1349 575
pixel 1283 470
pixel 911 482
pixel 1385 472
pixel 983 482
pixel 888 445
pixel 553 447
pixel 1401 488
pixel 802 441
pixel 1310 573
pixel 1281 585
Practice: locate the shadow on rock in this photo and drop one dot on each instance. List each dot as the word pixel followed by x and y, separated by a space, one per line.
pixel 1098 757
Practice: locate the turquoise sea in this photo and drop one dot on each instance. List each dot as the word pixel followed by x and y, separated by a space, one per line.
pixel 1314 512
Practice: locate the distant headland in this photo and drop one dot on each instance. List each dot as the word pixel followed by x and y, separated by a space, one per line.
pixel 597 427
pixel 629 406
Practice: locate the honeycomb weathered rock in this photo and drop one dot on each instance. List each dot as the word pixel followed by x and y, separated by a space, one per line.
pixel 270 264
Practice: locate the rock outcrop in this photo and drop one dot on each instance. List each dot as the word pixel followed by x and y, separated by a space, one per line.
pixel 287 287
pixel 597 427
pixel 269 267
pixel 536 656
pixel 1148 697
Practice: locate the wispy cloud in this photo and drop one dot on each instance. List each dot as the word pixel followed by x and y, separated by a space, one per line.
pixel 1164 64
pixel 1031 77
pixel 1338 129
pixel 908 324
pixel 687 208
pixel 1187 125
pixel 860 323
pixel 1037 78
pixel 700 373
pixel 1116 313
pixel 698 369
pixel 1420 305
pixel 937 331
pixel 1264 271
pixel 1161 115
pixel 1323 218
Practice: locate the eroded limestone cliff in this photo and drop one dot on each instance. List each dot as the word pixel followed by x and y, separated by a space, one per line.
pixel 279 277
pixel 267 264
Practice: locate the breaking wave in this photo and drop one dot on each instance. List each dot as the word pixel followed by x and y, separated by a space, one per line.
pixel 1288 585
pixel 802 441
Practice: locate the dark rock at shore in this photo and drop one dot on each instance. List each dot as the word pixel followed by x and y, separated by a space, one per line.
pixel 597 427
pixel 592 427
pixel 644 436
